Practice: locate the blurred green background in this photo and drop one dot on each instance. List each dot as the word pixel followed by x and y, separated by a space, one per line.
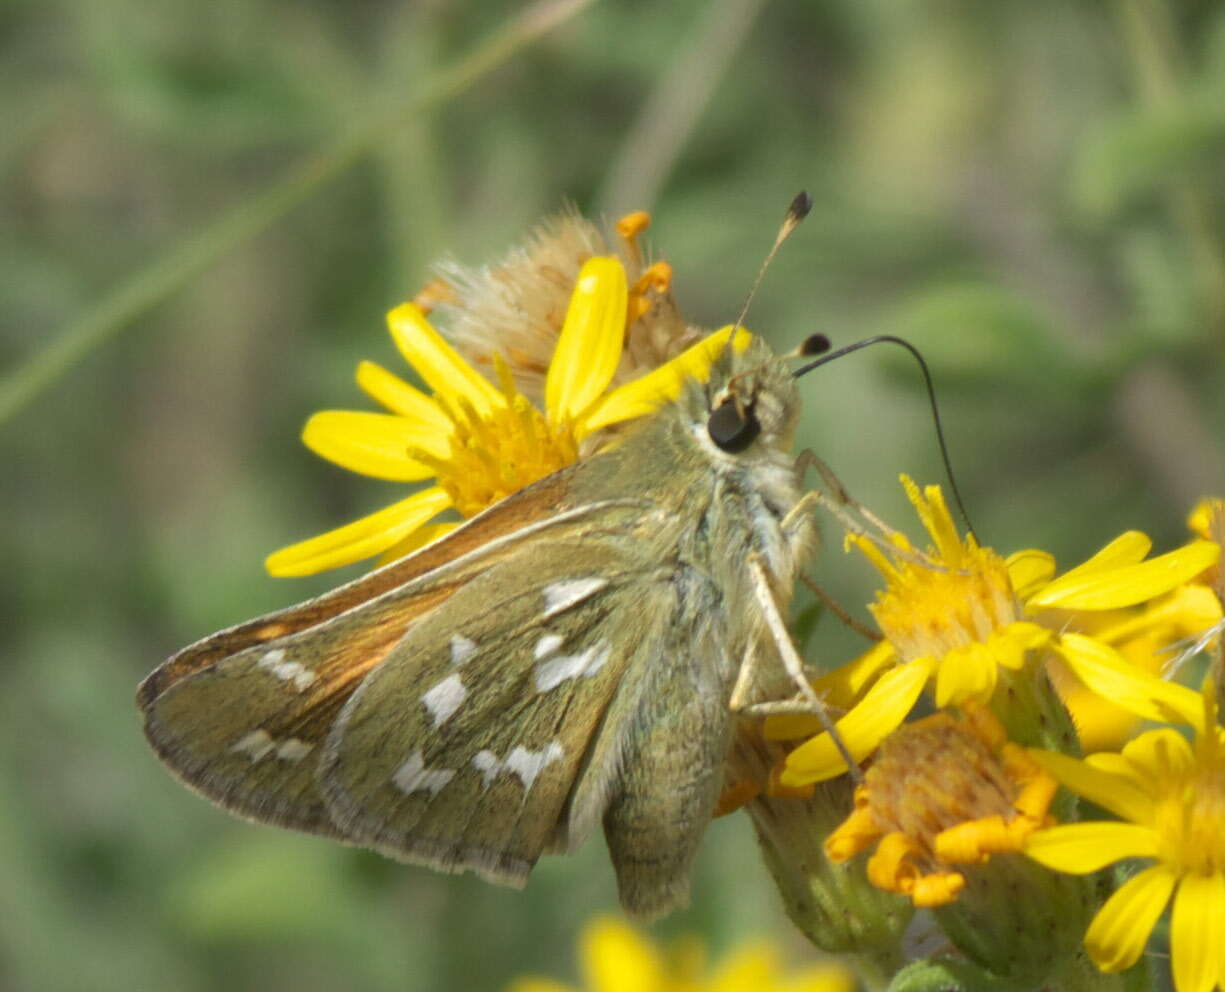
pixel 1032 192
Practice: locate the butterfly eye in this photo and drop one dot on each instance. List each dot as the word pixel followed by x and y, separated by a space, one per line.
pixel 731 428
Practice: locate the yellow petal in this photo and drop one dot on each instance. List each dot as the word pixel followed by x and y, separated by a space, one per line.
pixel 859 831
pixel 844 685
pixel 879 713
pixel 1199 520
pixel 828 977
pixel 1080 848
pixel 933 514
pixel 966 673
pixel 1029 570
pixel 1119 793
pixel 1129 548
pixel 1143 635
pixel 937 889
pixel 1009 645
pixel 1108 674
pixel 415 541
pixel 616 959
pixel 838 689
pixel 1118 934
pixel 440 365
pixel 751 966
pixel 399 397
pixel 589 346
pixel 374 444
pixel 1126 585
pixel 1196 943
pixel 361 539
pixel 1099 723
pixel 1159 756
pixel 877 558
pixel 1113 763
pixel 647 393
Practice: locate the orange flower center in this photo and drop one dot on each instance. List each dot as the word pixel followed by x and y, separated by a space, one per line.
pixel 927 612
pixel 498 454
pixel 942 791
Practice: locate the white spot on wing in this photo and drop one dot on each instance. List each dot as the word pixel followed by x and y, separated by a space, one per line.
pixel 528 764
pixel 287 671
pixel 554 672
pixel 254 745
pixel 259 744
pixel 488 764
pixel 445 698
pixel 293 750
pixel 522 761
pixel 462 648
pixel 547 645
pixel 413 776
pixel 560 596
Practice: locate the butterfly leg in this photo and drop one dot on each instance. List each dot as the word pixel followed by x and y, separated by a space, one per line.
pixel 796 519
pixel 807 459
pixel 837 609
pixel 746 678
pixel 855 518
pixel 791 658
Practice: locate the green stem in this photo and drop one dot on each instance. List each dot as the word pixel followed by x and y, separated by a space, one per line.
pixel 152 284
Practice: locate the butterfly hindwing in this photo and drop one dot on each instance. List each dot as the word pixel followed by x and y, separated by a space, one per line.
pixel 672 764
pixel 462 749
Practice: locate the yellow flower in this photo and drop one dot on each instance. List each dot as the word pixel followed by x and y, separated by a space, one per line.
pixel 614 957
pixel 477 441
pixel 958 613
pixel 1171 795
pixel 943 792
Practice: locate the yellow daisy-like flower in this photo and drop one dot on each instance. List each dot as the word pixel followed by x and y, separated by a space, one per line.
pixel 1171 795
pixel 943 792
pixel 477 441
pixel 614 957
pixel 958 613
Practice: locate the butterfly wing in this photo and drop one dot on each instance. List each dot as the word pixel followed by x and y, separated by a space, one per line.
pixel 241 716
pixel 545 503
pixel 485 760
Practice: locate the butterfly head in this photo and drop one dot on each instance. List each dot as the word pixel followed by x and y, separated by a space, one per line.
pixel 750 402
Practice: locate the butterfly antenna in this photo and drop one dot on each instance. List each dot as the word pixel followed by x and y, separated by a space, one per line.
pixel 798 210
pixel 931 396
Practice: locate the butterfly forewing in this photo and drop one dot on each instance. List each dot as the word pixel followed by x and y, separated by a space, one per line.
pixel 247 730
pixel 465 747
pixel 242 716
pixel 543 507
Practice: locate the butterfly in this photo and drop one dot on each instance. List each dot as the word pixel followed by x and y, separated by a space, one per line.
pixel 563 660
